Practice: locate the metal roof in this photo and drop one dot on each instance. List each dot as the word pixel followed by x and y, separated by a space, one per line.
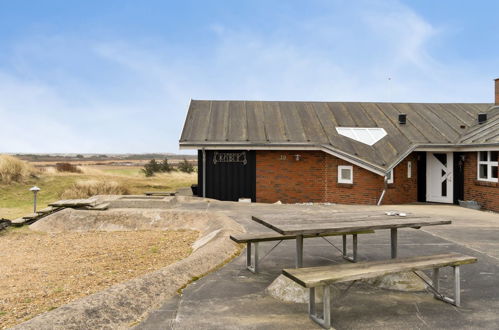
pixel 486 133
pixel 264 124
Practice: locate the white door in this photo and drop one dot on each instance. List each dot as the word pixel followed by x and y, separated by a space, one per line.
pixel 439 177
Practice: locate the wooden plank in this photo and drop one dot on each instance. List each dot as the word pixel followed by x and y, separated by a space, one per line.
pixel 332 215
pixel 160 193
pixel 317 276
pixel 47 210
pixel 100 207
pixel 31 216
pixel 266 237
pixel 72 203
pixel 305 226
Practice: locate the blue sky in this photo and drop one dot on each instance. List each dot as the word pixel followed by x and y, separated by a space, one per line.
pixel 117 76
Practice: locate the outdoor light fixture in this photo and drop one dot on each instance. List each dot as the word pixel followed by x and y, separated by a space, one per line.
pixel 35 190
pixel 297 157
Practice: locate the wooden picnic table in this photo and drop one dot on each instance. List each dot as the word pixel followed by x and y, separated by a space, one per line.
pixel 337 222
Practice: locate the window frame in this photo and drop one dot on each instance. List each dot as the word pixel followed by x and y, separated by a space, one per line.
pixel 345 167
pixel 391 179
pixel 489 163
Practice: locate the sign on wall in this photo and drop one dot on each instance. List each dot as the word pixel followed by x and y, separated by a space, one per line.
pixel 230 157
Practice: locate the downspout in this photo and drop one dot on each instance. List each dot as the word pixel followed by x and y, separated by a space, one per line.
pixel 385 185
pixel 204 172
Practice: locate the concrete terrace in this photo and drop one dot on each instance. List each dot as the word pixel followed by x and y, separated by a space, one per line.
pixel 234 298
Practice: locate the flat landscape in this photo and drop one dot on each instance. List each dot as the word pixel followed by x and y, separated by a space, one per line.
pixel 16 200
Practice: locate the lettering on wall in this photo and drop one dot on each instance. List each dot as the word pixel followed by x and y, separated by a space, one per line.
pixel 230 157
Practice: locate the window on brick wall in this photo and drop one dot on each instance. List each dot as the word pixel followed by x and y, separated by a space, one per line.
pixel 389 177
pixel 487 166
pixel 345 174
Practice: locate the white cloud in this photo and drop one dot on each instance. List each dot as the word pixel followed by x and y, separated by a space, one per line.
pixel 132 96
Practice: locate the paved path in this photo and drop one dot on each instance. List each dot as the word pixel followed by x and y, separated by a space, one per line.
pixel 234 298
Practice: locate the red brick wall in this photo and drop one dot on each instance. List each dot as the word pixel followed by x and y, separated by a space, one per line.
pixel 366 187
pixel 288 180
pixel 404 189
pixel 314 178
pixel 485 193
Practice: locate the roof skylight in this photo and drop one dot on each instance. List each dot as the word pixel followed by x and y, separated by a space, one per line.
pixel 366 135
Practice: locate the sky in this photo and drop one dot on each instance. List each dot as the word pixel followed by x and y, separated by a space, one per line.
pixel 118 76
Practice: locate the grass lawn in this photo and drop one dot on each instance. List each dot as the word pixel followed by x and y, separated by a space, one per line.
pixel 16 200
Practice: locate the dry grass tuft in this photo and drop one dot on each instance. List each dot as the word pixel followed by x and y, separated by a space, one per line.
pixel 13 169
pixel 85 189
pixel 67 167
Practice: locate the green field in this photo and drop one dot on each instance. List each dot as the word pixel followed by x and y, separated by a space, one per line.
pixel 16 200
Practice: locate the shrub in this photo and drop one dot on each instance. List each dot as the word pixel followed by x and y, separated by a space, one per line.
pixel 151 167
pixel 186 167
pixel 67 167
pixel 85 189
pixel 165 167
pixel 13 169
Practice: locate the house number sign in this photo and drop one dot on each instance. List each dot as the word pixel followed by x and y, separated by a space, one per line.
pixel 230 157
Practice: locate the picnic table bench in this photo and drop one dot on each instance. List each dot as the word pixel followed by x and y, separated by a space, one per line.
pixel 254 238
pixel 300 226
pixel 324 276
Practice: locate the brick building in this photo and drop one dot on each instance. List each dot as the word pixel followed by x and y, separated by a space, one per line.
pixel 346 152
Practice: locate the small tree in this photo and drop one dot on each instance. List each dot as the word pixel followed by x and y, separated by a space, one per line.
pixel 151 167
pixel 165 167
pixel 186 167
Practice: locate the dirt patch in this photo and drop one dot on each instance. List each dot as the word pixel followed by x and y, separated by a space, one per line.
pixel 41 271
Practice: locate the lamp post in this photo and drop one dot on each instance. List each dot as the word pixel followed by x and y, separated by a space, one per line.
pixel 35 190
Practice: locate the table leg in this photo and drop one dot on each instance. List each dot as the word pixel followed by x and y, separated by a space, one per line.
pixel 393 234
pixel 299 251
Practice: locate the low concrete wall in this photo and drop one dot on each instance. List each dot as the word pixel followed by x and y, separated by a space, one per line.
pixel 123 304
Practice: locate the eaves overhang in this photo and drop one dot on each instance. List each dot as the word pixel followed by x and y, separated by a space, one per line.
pixel 286 146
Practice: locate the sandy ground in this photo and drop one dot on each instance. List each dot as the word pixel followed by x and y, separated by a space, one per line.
pixel 41 271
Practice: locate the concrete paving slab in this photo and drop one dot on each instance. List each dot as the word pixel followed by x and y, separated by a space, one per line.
pixel 234 298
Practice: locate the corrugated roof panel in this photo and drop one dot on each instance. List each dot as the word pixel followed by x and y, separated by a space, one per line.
pixel 409 131
pixel 311 124
pixel 329 123
pixel 219 122
pixel 238 122
pixel 292 122
pixel 359 115
pixel 341 115
pixel 274 125
pixel 395 140
pixel 439 123
pixel 197 126
pixel 256 122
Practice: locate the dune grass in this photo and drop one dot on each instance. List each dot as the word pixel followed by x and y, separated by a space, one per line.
pixel 16 200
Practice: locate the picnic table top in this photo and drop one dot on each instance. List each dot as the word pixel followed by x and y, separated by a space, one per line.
pixel 303 224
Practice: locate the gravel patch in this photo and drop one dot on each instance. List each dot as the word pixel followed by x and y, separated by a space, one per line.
pixel 42 271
